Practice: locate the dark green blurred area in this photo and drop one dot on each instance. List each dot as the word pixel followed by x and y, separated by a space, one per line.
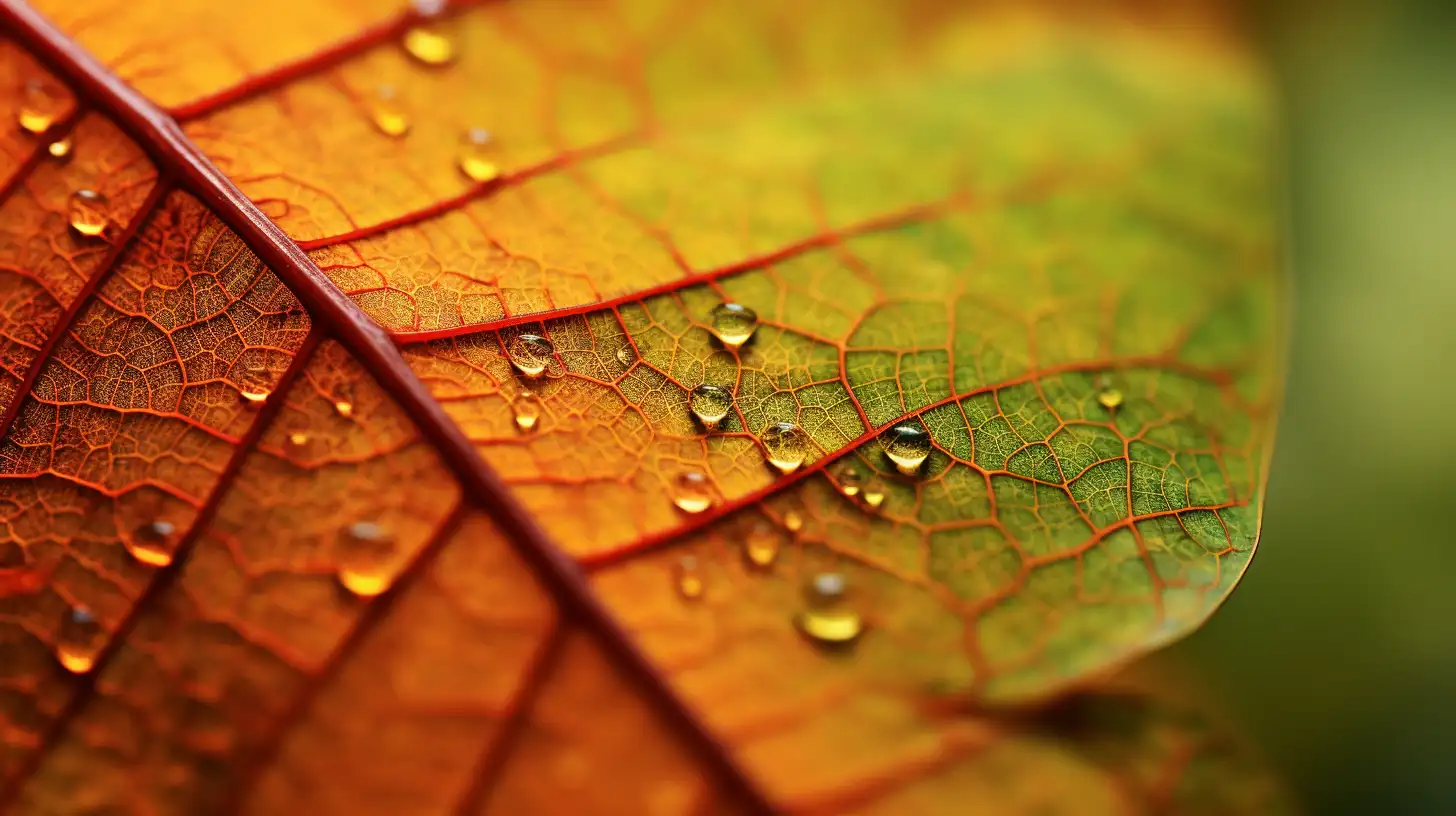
pixel 1338 651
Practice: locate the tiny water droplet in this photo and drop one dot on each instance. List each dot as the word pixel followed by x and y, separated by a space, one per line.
pixel 530 354
pixel 785 445
pixel 389 118
pixel 528 411
pixel 907 445
pixel 60 148
pixel 793 522
pixel 152 543
pixel 366 559
pixel 475 159
pixel 41 104
pixel 849 482
pixel 88 213
pixel 298 439
pixel 710 403
pixel 79 640
pixel 625 356
pixel 733 323
pixel 874 495
pixel 689 578
pixel 761 546
pixel 691 492
pixel 428 8
pixel 429 45
pixel 344 408
pixel 827 618
pixel 1110 398
pixel 253 399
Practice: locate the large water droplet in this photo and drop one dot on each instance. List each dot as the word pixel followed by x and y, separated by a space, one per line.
pixel 79 640
pixel 786 446
pixel 734 323
pixel 530 354
pixel 688 577
pixel 388 116
pixel 827 618
pixel 761 546
pixel 88 213
pixel 367 559
pixel 60 148
pixel 710 403
pixel 1110 398
pixel 907 445
pixel 253 398
pixel 153 543
pixel 691 492
pixel 429 45
pixel 527 408
pixel 475 160
pixel 41 104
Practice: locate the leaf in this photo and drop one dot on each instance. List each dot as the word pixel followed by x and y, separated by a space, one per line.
pixel 1045 237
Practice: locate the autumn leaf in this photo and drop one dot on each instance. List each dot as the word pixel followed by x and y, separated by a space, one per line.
pixel 626 407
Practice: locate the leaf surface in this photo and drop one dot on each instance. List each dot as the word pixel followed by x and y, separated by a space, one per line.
pixel 1043 236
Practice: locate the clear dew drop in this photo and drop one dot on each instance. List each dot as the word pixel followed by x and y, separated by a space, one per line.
pixel 87 213
pixel 689 578
pixel 850 482
pixel 388 116
pixel 786 446
pixel 908 446
pixel 625 356
pixel 475 159
pixel 530 354
pixel 79 640
pixel 710 403
pixel 153 543
pixel 254 399
pixel 527 408
pixel 367 559
pixel 691 492
pixel 733 323
pixel 793 522
pixel 761 546
pixel 1110 398
pixel 429 45
pixel 874 495
pixel 827 618
pixel 60 148
pixel 344 408
pixel 40 105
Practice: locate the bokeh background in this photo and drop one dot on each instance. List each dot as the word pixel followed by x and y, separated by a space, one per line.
pixel 1338 651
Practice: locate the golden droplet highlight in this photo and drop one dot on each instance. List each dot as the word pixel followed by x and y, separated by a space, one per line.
pixel 710 403
pixel 41 104
pixel 793 522
pixel 733 323
pixel 388 116
pixel 153 543
pixel 429 45
pixel 254 399
pixel 298 439
pixel 691 492
pixel 474 159
pixel 907 445
pixel 1110 398
pixel 530 354
pixel 849 482
pixel 60 148
pixel 344 408
pixel 79 640
pixel 786 446
pixel 688 577
pixel 761 546
pixel 827 618
pixel 367 559
pixel 87 213
pixel 874 495
pixel 527 408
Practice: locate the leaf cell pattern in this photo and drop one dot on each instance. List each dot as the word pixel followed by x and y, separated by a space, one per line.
pixel 1025 236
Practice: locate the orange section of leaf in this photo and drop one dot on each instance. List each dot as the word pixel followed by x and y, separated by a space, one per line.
pixel 26 88
pixel 409 713
pixel 132 421
pixel 45 265
pixel 214 666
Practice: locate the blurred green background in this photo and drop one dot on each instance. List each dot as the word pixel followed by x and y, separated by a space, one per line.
pixel 1338 651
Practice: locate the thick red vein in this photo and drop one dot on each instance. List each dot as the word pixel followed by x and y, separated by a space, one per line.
pixel 164 141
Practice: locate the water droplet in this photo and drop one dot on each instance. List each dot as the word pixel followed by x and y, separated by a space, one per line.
pixel 691 492
pixel 761 546
pixel 710 403
pixel 907 445
pixel 874 495
pixel 41 104
pixel 827 618
pixel 849 482
pixel 429 45
pixel 253 399
pixel 530 353
pixel 344 408
pixel 60 148
pixel 1110 398
pixel 79 640
pixel 475 159
pixel 689 578
pixel 388 116
pixel 153 543
pixel 367 559
pixel 793 522
pixel 785 445
pixel 528 411
pixel 625 356
pixel 88 213
pixel 734 323
pixel 428 8
pixel 298 439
